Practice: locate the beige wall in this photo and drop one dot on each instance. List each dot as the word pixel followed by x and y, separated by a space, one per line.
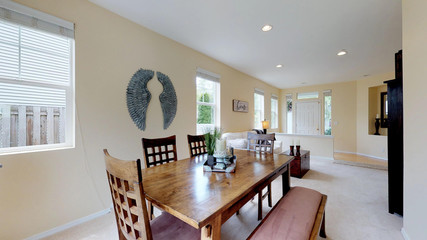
pixel 343 111
pixel 319 146
pixel 40 191
pixel 415 118
pixel 367 144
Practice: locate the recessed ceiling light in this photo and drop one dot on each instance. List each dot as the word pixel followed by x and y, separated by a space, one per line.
pixel 279 65
pixel 266 28
pixel 342 52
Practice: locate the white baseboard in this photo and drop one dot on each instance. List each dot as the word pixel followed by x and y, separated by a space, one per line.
pixel 405 236
pixel 322 158
pixel 362 154
pixel 69 225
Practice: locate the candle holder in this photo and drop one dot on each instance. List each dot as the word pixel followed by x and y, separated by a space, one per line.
pixel 291 150
pixel 298 153
pixel 377 126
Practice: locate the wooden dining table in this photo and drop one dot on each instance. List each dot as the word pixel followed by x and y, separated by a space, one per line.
pixel 206 200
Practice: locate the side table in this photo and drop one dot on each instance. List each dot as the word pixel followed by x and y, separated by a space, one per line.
pixel 301 164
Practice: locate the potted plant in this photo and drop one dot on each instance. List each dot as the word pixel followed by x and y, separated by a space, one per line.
pixel 210 140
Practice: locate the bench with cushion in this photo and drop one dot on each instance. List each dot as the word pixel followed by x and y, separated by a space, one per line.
pixel 239 140
pixel 298 215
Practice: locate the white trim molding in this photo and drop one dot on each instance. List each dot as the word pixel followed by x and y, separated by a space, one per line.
pixel 405 236
pixel 361 154
pixel 70 224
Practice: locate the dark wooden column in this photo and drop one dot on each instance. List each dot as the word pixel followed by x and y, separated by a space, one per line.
pixel 395 139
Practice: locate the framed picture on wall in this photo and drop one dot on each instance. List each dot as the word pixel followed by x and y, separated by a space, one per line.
pixel 240 106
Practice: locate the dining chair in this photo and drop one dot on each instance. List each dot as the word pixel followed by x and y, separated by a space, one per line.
pixel 196 145
pixel 127 192
pixel 158 151
pixel 263 143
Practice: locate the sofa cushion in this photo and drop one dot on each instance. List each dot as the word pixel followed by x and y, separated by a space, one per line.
pixel 237 143
pixel 233 135
pixel 293 217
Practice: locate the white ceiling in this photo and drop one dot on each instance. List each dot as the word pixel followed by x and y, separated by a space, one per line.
pixel 306 35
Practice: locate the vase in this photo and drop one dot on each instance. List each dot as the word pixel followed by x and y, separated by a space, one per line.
pixel 211 160
pixel 298 153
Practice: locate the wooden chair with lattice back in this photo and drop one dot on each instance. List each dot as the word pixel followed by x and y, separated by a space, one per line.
pixel 127 192
pixel 158 151
pixel 196 145
pixel 263 143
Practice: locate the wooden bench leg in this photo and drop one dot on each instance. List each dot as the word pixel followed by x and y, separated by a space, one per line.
pixel 322 232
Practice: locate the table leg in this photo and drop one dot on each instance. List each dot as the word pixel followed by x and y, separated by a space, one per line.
pixel 212 231
pixel 286 180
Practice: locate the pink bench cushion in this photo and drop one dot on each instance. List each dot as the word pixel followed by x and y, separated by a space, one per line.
pixel 293 217
pixel 168 227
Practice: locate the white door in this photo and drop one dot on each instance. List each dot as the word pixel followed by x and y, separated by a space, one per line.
pixel 307 120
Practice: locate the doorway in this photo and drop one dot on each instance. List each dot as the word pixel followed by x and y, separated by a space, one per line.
pixel 307 119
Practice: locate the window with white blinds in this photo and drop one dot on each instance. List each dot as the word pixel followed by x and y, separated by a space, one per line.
pixel 208 100
pixel 36 81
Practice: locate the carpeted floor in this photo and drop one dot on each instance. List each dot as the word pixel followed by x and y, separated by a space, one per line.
pixel 356 208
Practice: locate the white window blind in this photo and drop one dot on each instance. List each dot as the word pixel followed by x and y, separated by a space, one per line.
pixel 207 75
pixel 36 78
pixel 25 16
pixel 14 94
pixel 259 91
pixel 28 55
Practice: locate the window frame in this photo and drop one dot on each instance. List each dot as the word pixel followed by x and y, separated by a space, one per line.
pixel 289 114
pixel 69 126
pixel 274 119
pixel 326 93
pixel 258 122
pixel 214 78
pixel 307 95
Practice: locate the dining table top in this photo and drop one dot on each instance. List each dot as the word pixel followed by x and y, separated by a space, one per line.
pixel 196 197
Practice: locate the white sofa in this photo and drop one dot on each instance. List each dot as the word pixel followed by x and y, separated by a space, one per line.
pixel 239 140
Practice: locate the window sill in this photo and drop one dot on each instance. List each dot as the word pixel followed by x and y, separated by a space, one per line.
pixel 38 148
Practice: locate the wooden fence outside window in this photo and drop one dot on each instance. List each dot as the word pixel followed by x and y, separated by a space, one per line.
pixel 26 126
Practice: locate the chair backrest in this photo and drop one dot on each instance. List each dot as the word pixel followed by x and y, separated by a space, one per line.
pixel 196 145
pixel 159 150
pixel 125 180
pixel 261 142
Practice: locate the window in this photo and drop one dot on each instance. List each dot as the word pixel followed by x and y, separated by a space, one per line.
pixel 258 108
pixel 327 100
pixel 289 114
pixel 207 101
pixel 36 81
pixel 307 95
pixel 274 112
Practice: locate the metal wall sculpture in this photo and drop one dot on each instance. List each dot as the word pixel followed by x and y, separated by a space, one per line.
pixel 138 97
pixel 168 99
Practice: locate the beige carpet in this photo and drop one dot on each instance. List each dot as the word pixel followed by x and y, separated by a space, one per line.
pixel 356 207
